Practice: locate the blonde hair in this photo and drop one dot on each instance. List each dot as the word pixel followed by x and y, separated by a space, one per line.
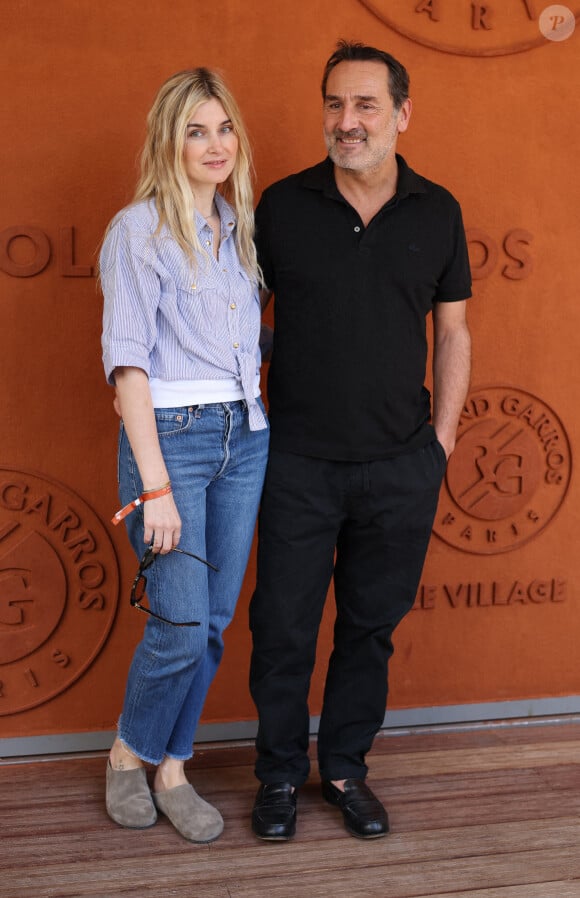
pixel 163 176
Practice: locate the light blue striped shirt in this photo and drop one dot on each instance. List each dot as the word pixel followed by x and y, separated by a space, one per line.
pixel 178 324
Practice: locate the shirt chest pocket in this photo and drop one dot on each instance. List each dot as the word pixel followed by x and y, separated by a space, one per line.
pixel 199 307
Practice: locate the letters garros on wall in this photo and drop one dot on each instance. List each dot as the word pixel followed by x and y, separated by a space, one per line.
pixel 495 28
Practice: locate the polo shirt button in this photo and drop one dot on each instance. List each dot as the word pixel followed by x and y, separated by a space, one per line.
pixel 208 242
pixel 357 229
pixel 236 345
pixel 232 305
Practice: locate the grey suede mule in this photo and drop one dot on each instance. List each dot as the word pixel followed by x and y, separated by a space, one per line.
pixel 129 801
pixel 192 817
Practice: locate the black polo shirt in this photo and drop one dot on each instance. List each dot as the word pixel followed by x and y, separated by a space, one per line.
pixel 346 380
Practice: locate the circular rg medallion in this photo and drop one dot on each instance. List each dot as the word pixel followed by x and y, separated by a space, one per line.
pixel 59 588
pixel 508 475
pixel 494 28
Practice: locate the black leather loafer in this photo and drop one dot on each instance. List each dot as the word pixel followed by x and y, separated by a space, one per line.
pixel 364 815
pixel 274 813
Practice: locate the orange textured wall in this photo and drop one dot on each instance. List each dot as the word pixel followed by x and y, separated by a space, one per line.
pixel 496 617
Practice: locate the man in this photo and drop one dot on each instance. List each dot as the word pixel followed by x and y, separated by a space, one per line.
pixel 358 250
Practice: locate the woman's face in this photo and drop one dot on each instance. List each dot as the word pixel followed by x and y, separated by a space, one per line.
pixel 211 147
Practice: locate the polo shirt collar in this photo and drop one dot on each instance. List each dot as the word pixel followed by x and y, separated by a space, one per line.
pixel 321 177
pixel 408 181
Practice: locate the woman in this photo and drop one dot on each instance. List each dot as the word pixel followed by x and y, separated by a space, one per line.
pixel 180 344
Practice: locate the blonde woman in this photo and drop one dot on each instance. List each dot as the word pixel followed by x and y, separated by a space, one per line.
pixel 180 345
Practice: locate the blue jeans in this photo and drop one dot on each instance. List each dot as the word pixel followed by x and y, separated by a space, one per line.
pixel 216 465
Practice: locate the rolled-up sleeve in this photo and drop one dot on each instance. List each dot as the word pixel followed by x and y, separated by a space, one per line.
pixel 131 287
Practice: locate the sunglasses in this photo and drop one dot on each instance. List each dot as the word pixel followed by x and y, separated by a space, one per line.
pixel 140 585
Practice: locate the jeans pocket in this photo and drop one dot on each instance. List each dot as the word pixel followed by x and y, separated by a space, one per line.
pixel 172 421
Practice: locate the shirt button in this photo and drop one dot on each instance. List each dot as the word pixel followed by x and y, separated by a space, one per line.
pixel 236 345
pixel 208 242
pixel 194 286
pixel 232 305
pixel 357 229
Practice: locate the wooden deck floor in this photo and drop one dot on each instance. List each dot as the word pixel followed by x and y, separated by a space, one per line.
pixel 486 813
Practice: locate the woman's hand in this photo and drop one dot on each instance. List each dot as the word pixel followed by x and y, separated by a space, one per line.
pixel 133 401
pixel 162 523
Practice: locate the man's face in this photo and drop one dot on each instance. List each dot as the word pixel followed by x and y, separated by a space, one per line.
pixel 360 123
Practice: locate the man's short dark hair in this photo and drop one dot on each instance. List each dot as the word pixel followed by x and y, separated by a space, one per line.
pixel 354 51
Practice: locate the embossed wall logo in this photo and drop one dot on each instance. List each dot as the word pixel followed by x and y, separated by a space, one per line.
pixel 494 28
pixel 59 588
pixel 508 475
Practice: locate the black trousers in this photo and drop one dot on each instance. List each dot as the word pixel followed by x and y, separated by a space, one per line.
pixel 368 525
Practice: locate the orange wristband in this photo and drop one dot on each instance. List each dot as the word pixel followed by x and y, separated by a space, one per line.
pixel 144 497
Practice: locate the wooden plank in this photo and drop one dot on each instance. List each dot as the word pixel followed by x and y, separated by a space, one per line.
pixel 489 815
pixel 73 886
pixel 466 736
pixel 505 757
pixel 559 889
pixel 426 879
pixel 480 845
